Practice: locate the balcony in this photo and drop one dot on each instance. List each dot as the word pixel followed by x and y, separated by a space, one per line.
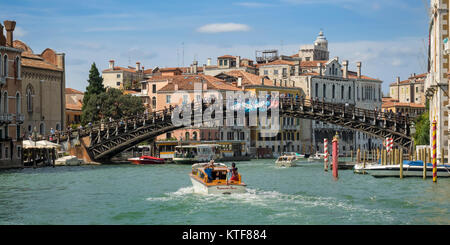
pixel 20 118
pixel 7 118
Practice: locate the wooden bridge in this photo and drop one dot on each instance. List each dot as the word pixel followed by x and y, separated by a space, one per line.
pixel 103 140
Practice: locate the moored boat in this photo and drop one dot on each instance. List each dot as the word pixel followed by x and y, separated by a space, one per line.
pixel 189 154
pixel 217 183
pixel 410 169
pixel 146 160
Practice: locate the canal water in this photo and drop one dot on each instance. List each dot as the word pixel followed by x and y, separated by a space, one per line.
pixel 163 194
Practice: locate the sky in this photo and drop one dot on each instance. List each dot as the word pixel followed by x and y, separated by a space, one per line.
pixel 388 37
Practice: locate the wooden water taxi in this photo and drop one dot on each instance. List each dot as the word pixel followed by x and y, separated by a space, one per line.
pixel 217 183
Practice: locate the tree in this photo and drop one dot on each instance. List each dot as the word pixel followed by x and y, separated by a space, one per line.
pixel 95 84
pixel 422 123
pixel 111 103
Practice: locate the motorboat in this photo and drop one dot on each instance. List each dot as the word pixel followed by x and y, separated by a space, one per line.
pixel 410 169
pixel 189 154
pixel 217 183
pixel 286 161
pixel 317 156
pixel 297 156
pixel 146 160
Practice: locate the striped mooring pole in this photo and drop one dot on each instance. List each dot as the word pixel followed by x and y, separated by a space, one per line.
pixel 325 151
pixel 434 151
pixel 335 155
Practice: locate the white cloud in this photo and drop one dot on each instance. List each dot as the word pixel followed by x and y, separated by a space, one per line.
pixel 223 27
pixel 19 32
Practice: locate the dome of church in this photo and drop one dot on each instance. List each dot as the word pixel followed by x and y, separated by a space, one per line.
pixel 321 40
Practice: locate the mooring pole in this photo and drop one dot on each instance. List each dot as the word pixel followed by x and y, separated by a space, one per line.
pixel 434 151
pixel 325 151
pixel 335 155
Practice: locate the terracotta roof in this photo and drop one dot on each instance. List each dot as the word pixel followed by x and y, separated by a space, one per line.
pixel 74 101
pixel 119 68
pixel 72 91
pixel 417 79
pixel 29 59
pixel 312 63
pixel 248 78
pixel 186 82
pixel 277 62
pixel 227 56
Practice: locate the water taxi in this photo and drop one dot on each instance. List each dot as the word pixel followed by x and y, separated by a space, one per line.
pixel 286 161
pixel 189 154
pixel 218 183
pixel 410 169
pixel 316 157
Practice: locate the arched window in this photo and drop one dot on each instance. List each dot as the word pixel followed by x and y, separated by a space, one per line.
pixel 17 67
pixel 18 104
pixel 333 91
pixel 186 136
pixel 317 90
pixel 154 102
pixel 332 69
pixel 29 95
pixel 349 93
pixel 5 65
pixel 194 135
pixel 342 92
pixel 324 91
pixel 58 127
pixel 42 129
pixel 5 102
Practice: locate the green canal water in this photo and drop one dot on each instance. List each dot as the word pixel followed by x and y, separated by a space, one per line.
pixel 163 194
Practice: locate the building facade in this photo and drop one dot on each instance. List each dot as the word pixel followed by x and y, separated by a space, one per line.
pixel 122 77
pixel 43 88
pixel 74 105
pixel 11 116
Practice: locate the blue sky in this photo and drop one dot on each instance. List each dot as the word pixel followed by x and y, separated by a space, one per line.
pixel 389 37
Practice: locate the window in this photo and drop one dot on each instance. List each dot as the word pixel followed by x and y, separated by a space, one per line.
pixel 18 132
pixel 29 96
pixel 225 62
pixel 168 99
pixel 117 83
pixel 324 93
pixel 5 65
pixel 17 67
pixel 342 92
pixel 5 102
pixel 18 104
pixel 42 129
pixel 186 136
pixel 275 72
pixel 19 152
pixel 6 152
pixel 194 135
pixel 317 90
pixel 349 93
pixel 118 75
pixel 333 90
pixel 266 72
pixel 154 88
pixel 220 62
pixel 154 102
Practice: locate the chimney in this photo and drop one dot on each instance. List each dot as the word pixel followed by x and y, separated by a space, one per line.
pixel 358 64
pixel 345 72
pixel 208 62
pixel 239 82
pixel 111 64
pixel 195 67
pixel 138 66
pixel 238 61
pixel 2 37
pixel 9 26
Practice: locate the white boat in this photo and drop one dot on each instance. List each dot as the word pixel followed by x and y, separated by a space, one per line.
pixel 286 161
pixel 218 183
pixel 317 156
pixel 196 153
pixel 410 169
pixel 297 156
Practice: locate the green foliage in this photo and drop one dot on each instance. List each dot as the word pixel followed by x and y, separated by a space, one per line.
pixel 111 103
pixel 95 84
pixel 422 123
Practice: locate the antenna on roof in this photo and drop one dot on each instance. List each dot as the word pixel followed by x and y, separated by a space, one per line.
pixel 182 44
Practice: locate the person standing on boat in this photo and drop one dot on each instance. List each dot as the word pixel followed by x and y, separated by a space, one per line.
pixel 234 172
pixel 209 169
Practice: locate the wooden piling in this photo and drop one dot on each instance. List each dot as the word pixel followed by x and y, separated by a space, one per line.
pixel 424 176
pixel 384 157
pixel 401 163
pixel 364 160
pixel 378 155
pixel 358 156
